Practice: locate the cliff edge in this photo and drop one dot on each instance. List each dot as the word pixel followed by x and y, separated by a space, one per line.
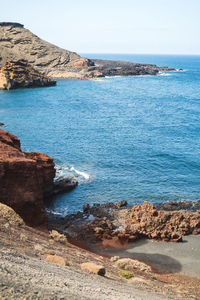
pixel 24 177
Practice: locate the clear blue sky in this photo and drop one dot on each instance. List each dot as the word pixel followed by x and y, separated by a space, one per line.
pixel 111 26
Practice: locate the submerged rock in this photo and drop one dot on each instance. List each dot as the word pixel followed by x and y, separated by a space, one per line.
pixel 61 185
pixel 19 74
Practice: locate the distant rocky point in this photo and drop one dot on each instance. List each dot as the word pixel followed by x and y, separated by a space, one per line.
pixel 20 74
pixel 17 42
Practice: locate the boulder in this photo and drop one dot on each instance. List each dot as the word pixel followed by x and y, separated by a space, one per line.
pixel 132 265
pixel 93 268
pixel 56 259
pixel 9 215
pixel 58 237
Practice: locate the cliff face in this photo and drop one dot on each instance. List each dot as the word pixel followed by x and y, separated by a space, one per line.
pixel 17 42
pixel 20 74
pixel 23 179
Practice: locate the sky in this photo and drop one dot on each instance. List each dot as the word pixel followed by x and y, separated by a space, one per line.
pixel 111 26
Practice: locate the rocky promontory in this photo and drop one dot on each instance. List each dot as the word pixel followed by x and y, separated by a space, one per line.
pixel 23 179
pixel 17 42
pixel 20 74
pixel 26 179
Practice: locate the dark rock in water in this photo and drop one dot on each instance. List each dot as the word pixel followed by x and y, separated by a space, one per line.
pixel 185 205
pixel 20 74
pixel 123 68
pixel 121 204
pixel 86 208
pixel 2 124
pixel 61 185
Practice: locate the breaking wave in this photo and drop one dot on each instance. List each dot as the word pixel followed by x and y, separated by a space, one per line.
pixel 70 171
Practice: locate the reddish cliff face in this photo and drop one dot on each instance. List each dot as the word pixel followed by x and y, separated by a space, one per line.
pixel 23 179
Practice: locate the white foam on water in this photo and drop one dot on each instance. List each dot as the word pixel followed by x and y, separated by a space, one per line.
pixel 79 173
pixel 164 74
pixel 70 171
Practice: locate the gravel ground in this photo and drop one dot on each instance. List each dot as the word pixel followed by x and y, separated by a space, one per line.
pixel 25 277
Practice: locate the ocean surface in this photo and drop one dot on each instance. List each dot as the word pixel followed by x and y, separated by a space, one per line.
pixel 123 138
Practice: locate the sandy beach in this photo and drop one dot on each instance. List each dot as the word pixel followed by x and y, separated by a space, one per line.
pixel 181 258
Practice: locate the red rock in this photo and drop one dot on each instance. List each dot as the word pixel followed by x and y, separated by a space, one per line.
pixel 132 238
pixel 23 179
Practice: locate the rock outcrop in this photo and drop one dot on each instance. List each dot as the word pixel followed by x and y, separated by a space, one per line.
pixel 20 74
pixel 114 226
pixel 17 42
pixel 23 179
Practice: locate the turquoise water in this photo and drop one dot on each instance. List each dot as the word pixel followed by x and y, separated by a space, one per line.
pixel 124 138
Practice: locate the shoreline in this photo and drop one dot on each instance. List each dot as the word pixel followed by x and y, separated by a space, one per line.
pixel 162 257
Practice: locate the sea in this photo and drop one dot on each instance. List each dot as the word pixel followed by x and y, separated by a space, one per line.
pixel 133 138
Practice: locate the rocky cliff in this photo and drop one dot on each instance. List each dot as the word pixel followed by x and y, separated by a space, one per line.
pixel 19 74
pixel 17 42
pixel 24 177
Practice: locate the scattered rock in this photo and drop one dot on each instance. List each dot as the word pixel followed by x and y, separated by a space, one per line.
pixel 56 259
pixel 93 268
pixel 114 258
pixel 58 237
pixel 121 204
pixel 8 214
pixel 132 265
pixel 86 208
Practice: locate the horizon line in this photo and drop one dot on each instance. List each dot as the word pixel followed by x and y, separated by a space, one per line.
pixel 127 53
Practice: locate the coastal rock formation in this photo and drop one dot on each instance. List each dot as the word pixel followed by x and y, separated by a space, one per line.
pixel 17 42
pixel 19 74
pixel 113 226
pixel 23 179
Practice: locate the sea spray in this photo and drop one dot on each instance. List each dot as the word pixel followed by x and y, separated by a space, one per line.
pixel 69 171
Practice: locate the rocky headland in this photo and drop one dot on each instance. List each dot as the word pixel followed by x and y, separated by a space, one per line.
pixel 17 42
pixel 20 74
pixel 27 179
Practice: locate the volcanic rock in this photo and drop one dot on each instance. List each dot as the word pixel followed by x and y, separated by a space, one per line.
pixel 23 178
pixel 93 268
pixel 17 42
pixel 10 216
pixel 19 74
pixel 56 259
